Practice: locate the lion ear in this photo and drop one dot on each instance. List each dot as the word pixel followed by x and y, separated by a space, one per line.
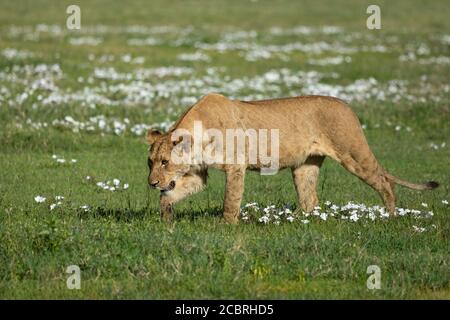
pixel 152 135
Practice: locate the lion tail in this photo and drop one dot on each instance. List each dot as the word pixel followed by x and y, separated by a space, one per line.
pixel 430 185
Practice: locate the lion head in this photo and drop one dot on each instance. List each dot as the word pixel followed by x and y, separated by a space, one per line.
pixel 164 170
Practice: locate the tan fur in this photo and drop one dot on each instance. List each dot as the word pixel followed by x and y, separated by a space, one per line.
pixel 310 128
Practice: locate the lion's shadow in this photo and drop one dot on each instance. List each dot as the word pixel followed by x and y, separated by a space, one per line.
pixel 131 214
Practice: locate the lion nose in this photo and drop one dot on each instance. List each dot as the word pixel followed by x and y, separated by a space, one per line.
pixel 154 184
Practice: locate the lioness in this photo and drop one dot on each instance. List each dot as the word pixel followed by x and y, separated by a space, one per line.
pixel 309 127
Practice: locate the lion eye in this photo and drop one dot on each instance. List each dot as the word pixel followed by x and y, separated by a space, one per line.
pixel 164 162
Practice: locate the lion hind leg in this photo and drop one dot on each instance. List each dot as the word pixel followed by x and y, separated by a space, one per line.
pixel 369 171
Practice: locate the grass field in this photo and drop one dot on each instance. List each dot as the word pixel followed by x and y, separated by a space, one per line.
pixel 90 94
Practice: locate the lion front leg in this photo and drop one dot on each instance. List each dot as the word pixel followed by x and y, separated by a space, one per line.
pixel 186 185
pixel 233 194
pixel 305 179
pixel 166 203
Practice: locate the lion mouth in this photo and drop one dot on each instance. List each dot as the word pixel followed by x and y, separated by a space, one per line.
pixel 171 186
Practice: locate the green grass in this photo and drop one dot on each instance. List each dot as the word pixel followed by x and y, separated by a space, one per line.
pixel 122 248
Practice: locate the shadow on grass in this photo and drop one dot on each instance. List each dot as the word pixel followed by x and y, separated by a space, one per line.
pixel 189 214
pixel 119 214
pixel 128 215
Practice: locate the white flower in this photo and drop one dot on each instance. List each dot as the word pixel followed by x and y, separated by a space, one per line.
pixel 59 198
pixel 305 221
pixel 424 205
pixel 85 208
pixel 39 199
pixel 73 160
pixel 197 56
pixel 264 219
pixel 269 209
pixel 253 204
pixel 116 182
pixel 419 229
pixel 323 216
pixel 125 186
pixel 383 213
pixel 272 76
pixel 354 217
pixel 290 218
pixel 53 206
pixel 444 202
